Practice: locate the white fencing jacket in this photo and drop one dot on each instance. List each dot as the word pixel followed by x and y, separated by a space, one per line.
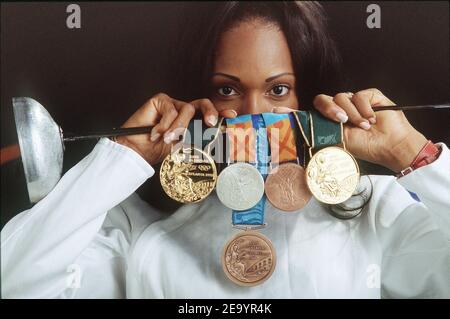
pixel 93 237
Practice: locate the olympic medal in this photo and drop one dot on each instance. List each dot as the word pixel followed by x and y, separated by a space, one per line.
pixel 240 186
pixel 286 187
pixel 188 175
pixel 353 206
pixel 340 213
pixel 332 175
pixel 248 259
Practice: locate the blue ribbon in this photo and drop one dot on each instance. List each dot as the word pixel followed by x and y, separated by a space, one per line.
pixel 270 118
pixel 254 215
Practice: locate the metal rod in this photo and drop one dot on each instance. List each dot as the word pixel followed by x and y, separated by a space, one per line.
pixel 109 133
pixel 146 129
pixel 407 108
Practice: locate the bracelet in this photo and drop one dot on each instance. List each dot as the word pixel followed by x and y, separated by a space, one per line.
pixel 428 154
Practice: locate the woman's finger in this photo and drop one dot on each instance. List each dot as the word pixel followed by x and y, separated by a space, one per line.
pixel 185 114
pixel 378 98
pixel 146 115
pixel 210 114
pixel 343 100
pixel 328 108
pixel 168 113
pixel 229 113
pixel 363 102
pixel 282 109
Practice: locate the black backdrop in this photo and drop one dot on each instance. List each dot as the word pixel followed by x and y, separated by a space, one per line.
pixel 96 76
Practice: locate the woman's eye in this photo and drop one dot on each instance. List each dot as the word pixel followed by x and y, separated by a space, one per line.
pixel 227 91
pixel 279 90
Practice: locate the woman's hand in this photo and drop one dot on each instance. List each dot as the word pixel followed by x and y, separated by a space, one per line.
pixel 385 138
pixel 169 117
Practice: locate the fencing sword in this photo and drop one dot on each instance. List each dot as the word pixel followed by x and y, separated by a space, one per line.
pixel 41 142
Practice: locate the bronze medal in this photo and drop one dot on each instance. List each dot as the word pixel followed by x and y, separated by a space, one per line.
pixel 248 259
pixel 188 175
pixel 286 187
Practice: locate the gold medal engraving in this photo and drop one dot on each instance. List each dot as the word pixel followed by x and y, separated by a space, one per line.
pixel 332 175
pixel 248 259
pixel 188 176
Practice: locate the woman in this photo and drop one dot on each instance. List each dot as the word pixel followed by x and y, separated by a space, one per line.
pixel 92 237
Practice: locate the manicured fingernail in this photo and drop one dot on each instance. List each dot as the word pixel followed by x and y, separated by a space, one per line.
pixel 372 120
pixel 211 120
pixel 228 113
pixel 154 137
pixel 364 125
pixel 281 109
pixel 342 117
pixel 169 137
pixel 233 111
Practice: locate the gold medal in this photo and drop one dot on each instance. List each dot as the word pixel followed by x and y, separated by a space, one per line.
pixel 332 175
pixel 188 175
pixel 248 259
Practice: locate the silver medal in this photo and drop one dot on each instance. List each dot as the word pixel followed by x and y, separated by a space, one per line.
pixel 240 186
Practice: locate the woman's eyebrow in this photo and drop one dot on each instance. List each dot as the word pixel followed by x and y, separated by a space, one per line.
pixel 270 79
pixel 232 77
pixel 236 79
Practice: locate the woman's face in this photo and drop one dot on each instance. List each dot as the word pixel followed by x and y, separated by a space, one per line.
pixel 253 70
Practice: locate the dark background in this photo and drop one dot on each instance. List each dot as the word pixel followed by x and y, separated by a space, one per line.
pixel 96 76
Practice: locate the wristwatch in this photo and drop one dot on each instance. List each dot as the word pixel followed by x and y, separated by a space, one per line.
pixel 429 153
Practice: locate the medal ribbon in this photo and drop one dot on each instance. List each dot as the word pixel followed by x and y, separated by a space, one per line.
pixel 303 134
pixel 253 149
pixel 242 139
pixel 304 127
pixel 281 135
pixel 324 132
pixel 267 134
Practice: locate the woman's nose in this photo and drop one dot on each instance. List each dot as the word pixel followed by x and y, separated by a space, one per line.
pixel 254 103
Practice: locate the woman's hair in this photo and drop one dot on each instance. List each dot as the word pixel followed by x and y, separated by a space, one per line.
pixel 315 58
